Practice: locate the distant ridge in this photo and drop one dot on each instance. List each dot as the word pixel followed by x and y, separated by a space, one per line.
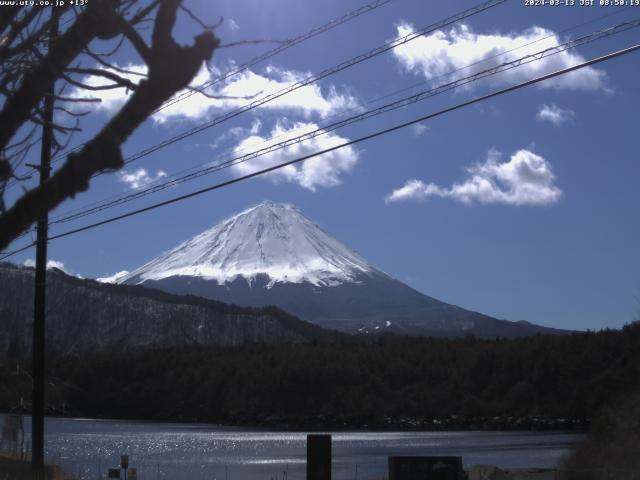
pixel 88 316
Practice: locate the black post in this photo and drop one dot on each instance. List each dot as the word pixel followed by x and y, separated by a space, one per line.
pixel 318 457
pixel 37 400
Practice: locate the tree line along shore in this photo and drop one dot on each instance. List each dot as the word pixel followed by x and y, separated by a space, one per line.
pixel 540 382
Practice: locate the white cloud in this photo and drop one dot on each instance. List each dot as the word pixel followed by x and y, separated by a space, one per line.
pixel 439 53
pixel 232 25
pixel 412 190
pixel 322 171
pixel 236 133
pixel 113 278
pixel 525 179
pixel 139 178
pixel 307 100
pixel 239 132
pixel 554 114
pixel 30 262
pixel 419 129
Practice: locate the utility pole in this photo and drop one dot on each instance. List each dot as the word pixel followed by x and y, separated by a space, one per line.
pixel 37 399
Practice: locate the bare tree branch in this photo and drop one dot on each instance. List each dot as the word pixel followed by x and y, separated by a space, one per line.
pixel 109 53
pixel 110 65
pixel 77 99
pixel 119 81
pixel 136 40
pixel 196 19
pixel 16 30
pixel 62 146
pixel 71 113
pixel 28 42
pixel 202 91
pixel 138 17
pixel 7 16
pixel 60 128
pixel 171 69
pixel 125 82
pixel 92 22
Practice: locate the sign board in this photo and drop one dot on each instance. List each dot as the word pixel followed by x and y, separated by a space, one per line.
pixel 114 473
pixel 425 468
pixel 318 457
pixel 124 461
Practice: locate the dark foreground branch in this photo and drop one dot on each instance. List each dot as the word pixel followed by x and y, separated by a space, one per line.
pixel 171 69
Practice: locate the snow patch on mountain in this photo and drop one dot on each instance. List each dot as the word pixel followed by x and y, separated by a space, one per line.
pixel 268 239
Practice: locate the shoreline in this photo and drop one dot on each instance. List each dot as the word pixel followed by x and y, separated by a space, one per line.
pixel 275 423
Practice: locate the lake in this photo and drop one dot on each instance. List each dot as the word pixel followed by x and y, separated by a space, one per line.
pixel 198 452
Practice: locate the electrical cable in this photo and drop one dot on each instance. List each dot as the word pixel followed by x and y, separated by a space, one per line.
pixel 367 137
pixel 323 130
pixel 387 46
pixel 119 198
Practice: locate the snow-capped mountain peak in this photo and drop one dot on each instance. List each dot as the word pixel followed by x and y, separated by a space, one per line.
pixel 269 238
pixel 290 262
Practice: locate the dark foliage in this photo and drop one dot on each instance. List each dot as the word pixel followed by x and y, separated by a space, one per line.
pixel 611 448
pixel 397 381
pixel 89 316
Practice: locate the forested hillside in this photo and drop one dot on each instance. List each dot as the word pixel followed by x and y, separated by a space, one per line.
pixel 393 381
pixel 88 316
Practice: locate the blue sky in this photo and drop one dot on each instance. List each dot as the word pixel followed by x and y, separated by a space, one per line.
pixel 523 207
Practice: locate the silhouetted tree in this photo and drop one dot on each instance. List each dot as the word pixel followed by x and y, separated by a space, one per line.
pixel 29 68
pixel 481 382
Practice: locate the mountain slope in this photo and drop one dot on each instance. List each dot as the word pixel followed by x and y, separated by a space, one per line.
pixel 87 316
pixel 271 254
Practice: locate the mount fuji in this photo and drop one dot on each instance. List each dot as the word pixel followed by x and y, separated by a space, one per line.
pixel 271 254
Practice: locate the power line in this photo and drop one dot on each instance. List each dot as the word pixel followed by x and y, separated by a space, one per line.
pixel 423 95
pixel 316 77
pixel 265 56
pixel 311 79
pixel 121 198
pixel 387 46
pixel 347 17
pixel 370 136
pixel 260 58
pixel 98 206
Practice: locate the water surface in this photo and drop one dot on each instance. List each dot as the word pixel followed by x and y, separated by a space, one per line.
pixel 198 452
